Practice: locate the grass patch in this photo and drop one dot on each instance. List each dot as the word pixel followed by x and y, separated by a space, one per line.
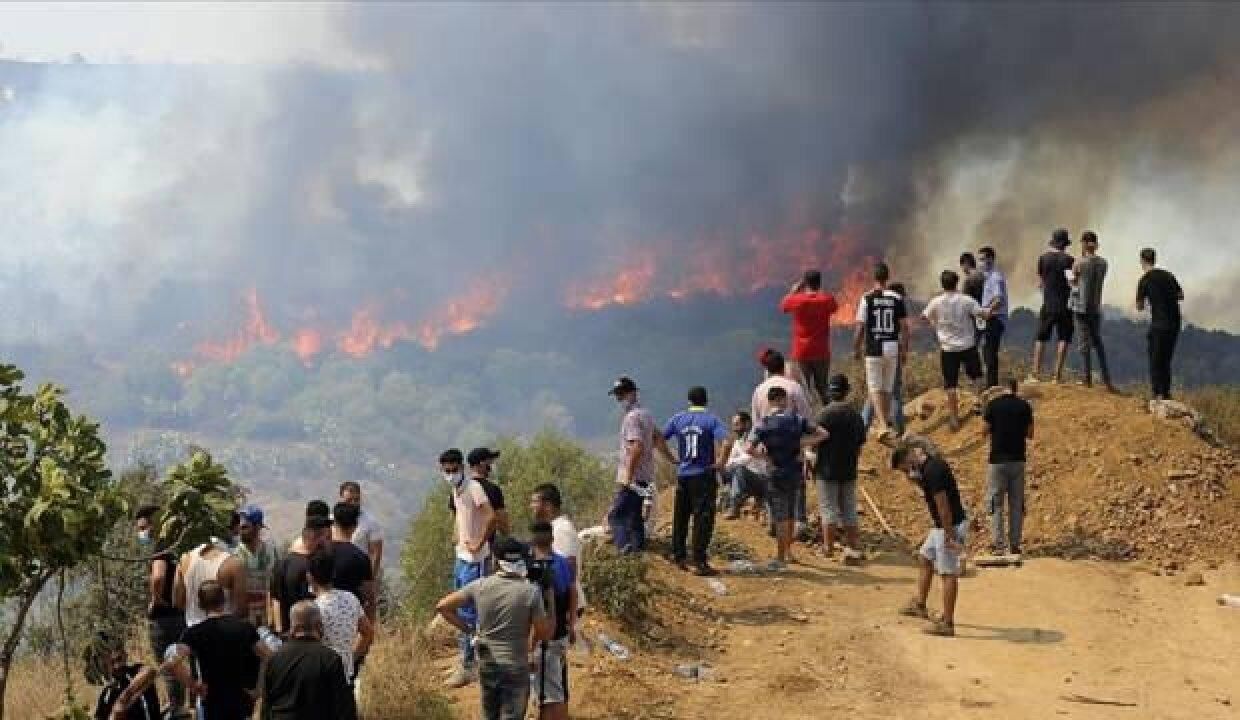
pixel 1219 405
pixel 617 585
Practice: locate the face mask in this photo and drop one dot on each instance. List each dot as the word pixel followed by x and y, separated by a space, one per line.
pixel 454 479
pixel 144 537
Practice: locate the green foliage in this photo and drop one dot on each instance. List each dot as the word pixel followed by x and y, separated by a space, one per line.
pixel 200 502
pixel 428 553
pixel 616 585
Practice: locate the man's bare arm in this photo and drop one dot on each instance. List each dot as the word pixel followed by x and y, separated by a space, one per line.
pixel 447 608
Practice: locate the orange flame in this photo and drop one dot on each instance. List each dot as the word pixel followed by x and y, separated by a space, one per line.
pixel 307 343
pixel 464 313
pixel 630 285
pixel 255 331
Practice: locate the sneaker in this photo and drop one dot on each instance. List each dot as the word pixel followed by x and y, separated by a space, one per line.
pixel 460 677
pixel 940 629
pixel 915 609
pixel 682 565
pixel 705 570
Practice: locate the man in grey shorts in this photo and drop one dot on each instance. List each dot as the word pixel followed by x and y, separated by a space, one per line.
pixel 1009 422
pixel 942 553
pixel 512 612
pixel 836 469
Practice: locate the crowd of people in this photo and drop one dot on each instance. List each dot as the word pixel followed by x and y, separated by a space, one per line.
pixel 241 618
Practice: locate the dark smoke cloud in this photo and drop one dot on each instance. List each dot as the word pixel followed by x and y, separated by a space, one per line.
pixel 551 139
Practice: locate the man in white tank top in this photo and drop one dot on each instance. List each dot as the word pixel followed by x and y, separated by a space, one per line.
pixel 212 561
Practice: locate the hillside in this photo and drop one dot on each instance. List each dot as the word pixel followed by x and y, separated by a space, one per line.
pixel 1048 639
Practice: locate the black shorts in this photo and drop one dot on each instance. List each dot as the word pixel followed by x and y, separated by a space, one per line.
pixel 1060 322
pixel 951 362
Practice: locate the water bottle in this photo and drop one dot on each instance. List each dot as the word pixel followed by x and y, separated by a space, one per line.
pixel 1231 601
pixel 617 650
pixel 269 638
pixel 717 586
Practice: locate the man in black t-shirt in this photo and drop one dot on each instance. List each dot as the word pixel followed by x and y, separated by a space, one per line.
pixel 1054 265
pixel 165 620
pixel 228 652
pixel 353 570
pixel 288 581
pixel 836 469
pixel 942 553
pixel 130 692
pixel 1009 422
pixel 1162 292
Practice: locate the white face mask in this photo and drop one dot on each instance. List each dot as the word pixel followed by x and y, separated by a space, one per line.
pixel 454 479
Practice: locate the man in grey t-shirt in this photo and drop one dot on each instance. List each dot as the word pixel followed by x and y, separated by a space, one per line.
pixel 1086 305
pixel 512 613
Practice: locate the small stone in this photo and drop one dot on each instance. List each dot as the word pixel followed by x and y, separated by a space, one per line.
pixel 1068 679
pixel 1194 579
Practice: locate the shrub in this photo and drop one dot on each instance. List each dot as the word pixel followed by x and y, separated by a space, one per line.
pixel 396 684
pixel 1220 406
pixel 616 585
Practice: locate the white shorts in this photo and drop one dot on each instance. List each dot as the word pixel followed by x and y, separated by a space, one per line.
pixel 549 681
pixel 880 373
pixel 934 549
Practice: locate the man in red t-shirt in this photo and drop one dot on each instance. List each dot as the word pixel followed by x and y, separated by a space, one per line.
pixel 811 311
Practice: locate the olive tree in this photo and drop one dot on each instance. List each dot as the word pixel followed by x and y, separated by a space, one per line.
pixel 57 498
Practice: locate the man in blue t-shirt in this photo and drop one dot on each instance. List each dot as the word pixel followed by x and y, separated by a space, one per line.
pixel 779 438
pixel 699 442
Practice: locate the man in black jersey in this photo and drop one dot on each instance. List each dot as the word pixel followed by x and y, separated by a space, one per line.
pixel 1054 267
pixel 882 339
pixel 166 621
pixel 1162 292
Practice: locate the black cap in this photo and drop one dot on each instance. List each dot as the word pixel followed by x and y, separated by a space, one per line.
pixel 622 386
pixel 1061 239
pixel 838 385
pixel 511 550
pixel 451 455
pixel 479 455
pixel 318 522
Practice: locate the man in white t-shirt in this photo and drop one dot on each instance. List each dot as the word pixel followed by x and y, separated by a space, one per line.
pixel 475 521
pixel 954 316
pixel 546 505
pixel 368 536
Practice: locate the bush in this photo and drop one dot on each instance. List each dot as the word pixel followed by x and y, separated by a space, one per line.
pixel 1220 406
pixel 396 684
pixel 616 585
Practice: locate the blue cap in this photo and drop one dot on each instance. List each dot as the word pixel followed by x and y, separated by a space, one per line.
pixel 252 515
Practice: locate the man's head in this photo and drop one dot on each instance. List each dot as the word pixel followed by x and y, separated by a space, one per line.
pixel 316 532
pixel 251 523
pixel 211 597
pixel 482 461
pixel 697 396
pixel 949 280
pixel 987 255
pixel 1060 239
pixel 345 517
pixel 624 390
pixel 318 508
pixel 545 502
pixel 773 361
pixel 1149 258
pixel 306 620
pixel 777 397
pixel 541 536
pixel 968 263
pixel 907 458
pixel 1012 383
pixel 812 280
pixel 742 422
pixel 351 492
pixel 451 461
pixel 837 387
pixel 320 567
pixel 511 556
pixel 1089 242
pixel 882 274
pixel 144 523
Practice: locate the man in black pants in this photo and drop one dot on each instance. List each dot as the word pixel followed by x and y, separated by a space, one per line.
pixel 1086 300
pixel 1160 289
pixel 1054 266
pixel 699 437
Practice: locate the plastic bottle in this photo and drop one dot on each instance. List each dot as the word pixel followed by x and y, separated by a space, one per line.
pixel 617 650
pixel 1227 600
pixel 269 638
pixel 717 586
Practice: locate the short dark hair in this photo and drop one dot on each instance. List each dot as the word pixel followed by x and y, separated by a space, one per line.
pixel 451 455
pixel 986 251
pixel 900 455
pixel 345 515
pixel 812 279
pixel 318 508
pixel 897 288
pixel 882 273
pixel 1089 236
pixel 967 260
pixel 1060 238
pixel 697 395
pixel 350 485
pixel 321 566
pixel 211 595
pixel 550 494
pixel 744 415
pixel 146 512
pixel 773 361
pixel 1148 256
pixel 776 393
pixel 949 279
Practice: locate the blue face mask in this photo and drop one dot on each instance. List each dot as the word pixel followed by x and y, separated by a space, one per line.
pixel 144 538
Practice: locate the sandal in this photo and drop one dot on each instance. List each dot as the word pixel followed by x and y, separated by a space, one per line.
pixel 915 609
pixel 941 629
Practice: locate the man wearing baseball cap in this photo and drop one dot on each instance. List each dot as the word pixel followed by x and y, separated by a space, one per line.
pixel 635 475
pixel 1054 268
pixel 259 557
pixel 481 462
pixel 836 468
pixel 513 615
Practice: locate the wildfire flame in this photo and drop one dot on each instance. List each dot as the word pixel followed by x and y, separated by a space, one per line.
pixel 255 331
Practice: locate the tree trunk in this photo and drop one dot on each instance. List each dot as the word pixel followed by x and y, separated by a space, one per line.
pixel 9 649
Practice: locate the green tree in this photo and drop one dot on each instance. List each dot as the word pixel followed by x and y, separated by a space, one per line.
pixel 58 500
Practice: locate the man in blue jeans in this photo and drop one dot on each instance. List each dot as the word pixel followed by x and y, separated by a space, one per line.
pixel 635 476
pixel 475 522
pixel 699 438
